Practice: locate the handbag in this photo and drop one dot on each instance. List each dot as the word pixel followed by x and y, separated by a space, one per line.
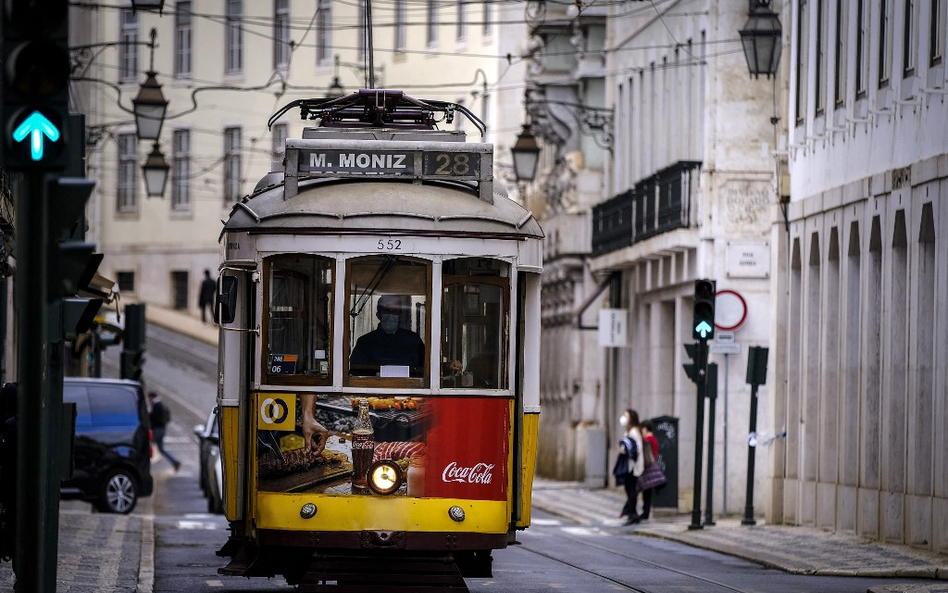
pixel 652 477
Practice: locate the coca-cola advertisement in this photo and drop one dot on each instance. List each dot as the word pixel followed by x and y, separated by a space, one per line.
pixel 433 446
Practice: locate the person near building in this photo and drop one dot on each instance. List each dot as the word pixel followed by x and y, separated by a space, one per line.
pixel 631 448
pixel 206 297
pixel 652 478
pixel 159 416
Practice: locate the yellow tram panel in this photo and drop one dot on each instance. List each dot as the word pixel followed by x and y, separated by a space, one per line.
pixel 528 465
pixel 357 513
pixel 229 443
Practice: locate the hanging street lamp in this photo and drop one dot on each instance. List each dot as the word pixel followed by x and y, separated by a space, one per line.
pixel 526 154
pixel 762 39
pixel 155 170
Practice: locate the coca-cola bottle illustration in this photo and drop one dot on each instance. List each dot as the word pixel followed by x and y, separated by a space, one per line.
pixel 363 447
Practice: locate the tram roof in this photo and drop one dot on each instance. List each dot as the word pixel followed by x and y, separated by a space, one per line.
pixel 360 205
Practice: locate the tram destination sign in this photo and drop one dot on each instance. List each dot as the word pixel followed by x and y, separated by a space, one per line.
pixel 391 163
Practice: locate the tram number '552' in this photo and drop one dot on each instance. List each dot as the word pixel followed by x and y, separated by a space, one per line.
pixel 390 245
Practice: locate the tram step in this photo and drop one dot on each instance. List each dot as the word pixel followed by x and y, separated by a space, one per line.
pixel 388 573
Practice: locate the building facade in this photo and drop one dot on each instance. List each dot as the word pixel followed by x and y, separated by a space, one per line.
pixel 864 253
pixel 225 67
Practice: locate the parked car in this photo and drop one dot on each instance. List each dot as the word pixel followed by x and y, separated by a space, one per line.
pixel 112 450
pixel 211 473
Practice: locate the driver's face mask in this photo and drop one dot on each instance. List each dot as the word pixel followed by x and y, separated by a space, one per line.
pixel 389 322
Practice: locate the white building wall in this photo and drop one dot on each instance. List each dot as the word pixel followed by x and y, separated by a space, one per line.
pixel 866 344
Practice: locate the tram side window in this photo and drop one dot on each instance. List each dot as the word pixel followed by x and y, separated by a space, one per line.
pixel 299 318
pixel 388 320
pixel 475 324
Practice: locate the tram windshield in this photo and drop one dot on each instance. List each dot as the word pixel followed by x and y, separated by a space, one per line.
pixel 299 317
pixel 475 324
pixel 388 316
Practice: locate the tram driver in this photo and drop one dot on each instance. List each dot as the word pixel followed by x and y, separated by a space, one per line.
pixel 388 344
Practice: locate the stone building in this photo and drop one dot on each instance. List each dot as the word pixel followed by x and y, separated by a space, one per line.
pixel 859 323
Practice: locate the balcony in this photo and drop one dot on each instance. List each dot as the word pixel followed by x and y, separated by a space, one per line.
pixel 656 205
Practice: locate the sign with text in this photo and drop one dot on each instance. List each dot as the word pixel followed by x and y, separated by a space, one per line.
pixel 613 330
pixel 748 259
pixel 390 163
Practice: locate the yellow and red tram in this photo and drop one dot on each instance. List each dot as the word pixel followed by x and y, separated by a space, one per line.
pixel 379 305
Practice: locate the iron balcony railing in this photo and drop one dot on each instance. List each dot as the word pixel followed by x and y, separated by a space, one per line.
pixel 656 205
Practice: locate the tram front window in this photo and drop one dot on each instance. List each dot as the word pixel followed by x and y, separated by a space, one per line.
pixel 474 324
pixel 387 317
pixel 299 318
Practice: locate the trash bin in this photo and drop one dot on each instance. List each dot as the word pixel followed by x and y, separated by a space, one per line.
pixel 666 431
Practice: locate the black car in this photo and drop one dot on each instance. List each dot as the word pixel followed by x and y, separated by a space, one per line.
pixel 112 452
pixel 209 465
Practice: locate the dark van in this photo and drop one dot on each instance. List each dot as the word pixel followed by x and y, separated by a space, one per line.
pixel 112 453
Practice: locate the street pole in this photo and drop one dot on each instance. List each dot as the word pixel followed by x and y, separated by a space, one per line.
pixel 711 390
pixel 37 522
pixel 700 363
pixel 724 439
pixel 756 375
pixel 749 496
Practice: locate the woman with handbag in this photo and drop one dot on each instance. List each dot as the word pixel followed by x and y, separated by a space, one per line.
pixel 630 465
pixel 652 478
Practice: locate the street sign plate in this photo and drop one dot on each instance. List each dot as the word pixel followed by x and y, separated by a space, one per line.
pixel 724 348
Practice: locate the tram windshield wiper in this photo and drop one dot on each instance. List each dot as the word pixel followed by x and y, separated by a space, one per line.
pixel 380 274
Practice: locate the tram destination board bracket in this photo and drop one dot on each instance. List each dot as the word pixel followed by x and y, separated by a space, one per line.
pixel 379 159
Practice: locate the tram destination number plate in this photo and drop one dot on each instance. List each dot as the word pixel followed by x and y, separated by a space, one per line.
pixel 454 165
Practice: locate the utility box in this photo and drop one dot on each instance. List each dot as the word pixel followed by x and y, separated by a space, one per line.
pixel 666 431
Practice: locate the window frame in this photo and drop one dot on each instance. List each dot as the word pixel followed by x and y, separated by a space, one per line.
pixel 281 34
pixel 431 23
pixel 324 32
pixel 128 46
pixel 181 169
pixel 296 379
pixel 183 40
pixel 348 341
pixel 232 164
pixel 400 40
pixel 234 37
pixel 126 190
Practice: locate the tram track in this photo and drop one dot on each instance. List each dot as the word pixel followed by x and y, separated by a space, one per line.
pixel 706 582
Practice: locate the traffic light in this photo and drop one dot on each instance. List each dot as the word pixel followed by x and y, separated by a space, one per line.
pixel 73 262
pixel 702 326
pixel 696 370
pixel 133 351
pixel 35 81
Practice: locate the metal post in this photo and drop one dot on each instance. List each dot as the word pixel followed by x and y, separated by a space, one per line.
pixel 724 439
pixel 749 501
pixel 700 363
pixel 711 390
pixel 37 494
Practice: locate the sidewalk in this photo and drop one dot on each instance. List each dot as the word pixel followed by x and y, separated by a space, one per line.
pixel 796 550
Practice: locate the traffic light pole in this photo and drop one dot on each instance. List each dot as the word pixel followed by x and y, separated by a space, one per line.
pixel 700 364
pixel 711 390
pixel 37 494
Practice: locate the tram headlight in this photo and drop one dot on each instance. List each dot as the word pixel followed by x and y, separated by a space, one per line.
pixel 385 477
pixel 308 511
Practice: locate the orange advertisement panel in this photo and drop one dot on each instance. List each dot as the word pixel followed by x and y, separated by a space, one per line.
pixel 438 446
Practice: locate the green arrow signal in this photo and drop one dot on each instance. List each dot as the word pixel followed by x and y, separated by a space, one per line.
pixel 703 329
pixel 35 126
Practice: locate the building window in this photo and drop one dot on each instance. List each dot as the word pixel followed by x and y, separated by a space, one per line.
pixel 179 288
pixel 909 44
pixel 803 39
pixel 862 63
pixel 839 85
pixel 323 31
pixel 183 46
pixel 462 20
pixel 885 15
pixel 936 33
pixel 234 50
pixel 278 146
pixel 487 16
pixel 432 23
pixel 126 281
pixel 127 201
pixel 128 48
pixel 231 165
pixel 818 87
pixel 399 25
pixel 281 34
pixel 181 170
